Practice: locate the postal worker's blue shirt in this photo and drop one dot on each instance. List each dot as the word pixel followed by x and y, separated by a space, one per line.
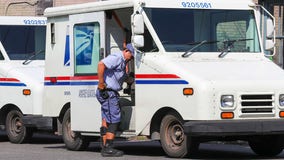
pixel 115 73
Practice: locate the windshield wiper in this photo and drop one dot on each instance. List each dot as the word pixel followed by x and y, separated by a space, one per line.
pixel 28 60
pixel 197 44
pixel 228 44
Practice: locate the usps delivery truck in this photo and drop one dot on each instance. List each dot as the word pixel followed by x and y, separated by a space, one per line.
pixel 22 49
pixel 200 69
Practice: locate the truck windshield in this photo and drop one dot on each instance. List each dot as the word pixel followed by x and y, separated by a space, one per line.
pixel 22 42
pixel 180 30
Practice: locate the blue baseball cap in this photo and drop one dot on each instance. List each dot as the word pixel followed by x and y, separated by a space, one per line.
pixel 130 48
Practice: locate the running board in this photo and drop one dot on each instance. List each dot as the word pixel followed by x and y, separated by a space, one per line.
pixel 124 134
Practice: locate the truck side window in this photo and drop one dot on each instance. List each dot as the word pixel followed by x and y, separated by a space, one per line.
pixel 21 42
pixel 86 47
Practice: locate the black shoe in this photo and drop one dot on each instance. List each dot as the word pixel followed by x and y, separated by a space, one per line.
pixel 111 152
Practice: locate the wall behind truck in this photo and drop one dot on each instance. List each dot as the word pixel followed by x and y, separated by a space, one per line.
pixel 68 2
pixel 23 7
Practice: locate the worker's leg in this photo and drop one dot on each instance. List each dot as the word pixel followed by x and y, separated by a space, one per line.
pixel 112 114
pixel 108 150
pixel 103 132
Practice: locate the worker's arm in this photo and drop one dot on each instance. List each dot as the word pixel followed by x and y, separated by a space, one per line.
pixel 101 70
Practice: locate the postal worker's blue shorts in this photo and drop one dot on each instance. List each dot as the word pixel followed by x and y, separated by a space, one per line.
pixel 110 107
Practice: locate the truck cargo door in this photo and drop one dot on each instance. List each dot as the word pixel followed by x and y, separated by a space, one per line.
pixel 87 43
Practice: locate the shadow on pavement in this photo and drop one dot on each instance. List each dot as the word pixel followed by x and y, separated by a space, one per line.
pixel 37 138
pixel 143 148
pixel 223 151
pixel 206 150
pixel 45 138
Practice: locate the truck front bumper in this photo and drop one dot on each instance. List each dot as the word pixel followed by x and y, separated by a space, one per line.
pixel 234 127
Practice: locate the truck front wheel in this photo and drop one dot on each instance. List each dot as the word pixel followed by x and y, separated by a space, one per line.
pixel 74 141
pixel 266 145
pixel 174 142
pixel 15 129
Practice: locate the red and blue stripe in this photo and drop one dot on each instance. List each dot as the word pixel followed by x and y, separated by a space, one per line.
pixel 93 80
pixel 11 82
pixel 159 79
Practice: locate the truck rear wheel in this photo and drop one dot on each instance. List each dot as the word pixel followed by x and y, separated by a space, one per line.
pixel 15 129
pixel 174 142
pixel 266 145
pixel 74 141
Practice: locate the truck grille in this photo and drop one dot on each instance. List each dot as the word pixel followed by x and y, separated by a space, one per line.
pixel 257 103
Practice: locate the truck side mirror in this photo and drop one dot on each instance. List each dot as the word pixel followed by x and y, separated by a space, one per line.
pixel 138 30
pixel 138 24
pixel 269 44
pixel 270 41
pixel 269 28
pixel 138 41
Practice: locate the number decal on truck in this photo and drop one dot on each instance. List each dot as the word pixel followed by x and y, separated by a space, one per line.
pixel 34 22
pixel 196 5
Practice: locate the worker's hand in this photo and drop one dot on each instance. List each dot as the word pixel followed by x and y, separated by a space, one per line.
pixel 130 78
pixel 101 86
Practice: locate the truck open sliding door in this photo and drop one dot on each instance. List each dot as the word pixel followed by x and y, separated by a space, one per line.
pixel 88 40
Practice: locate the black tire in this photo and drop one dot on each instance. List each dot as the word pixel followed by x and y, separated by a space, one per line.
pixel 74 141
pixel 266 145
pixel 15 129
pixel 174 142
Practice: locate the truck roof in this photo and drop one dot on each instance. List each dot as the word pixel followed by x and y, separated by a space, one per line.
pixel 87 7
pixel 115 4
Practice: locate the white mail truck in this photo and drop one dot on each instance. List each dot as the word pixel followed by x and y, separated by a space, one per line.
pixel 22 53
pixel 201 72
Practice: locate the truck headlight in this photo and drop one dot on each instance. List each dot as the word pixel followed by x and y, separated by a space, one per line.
pixel 227 101
pixel 281 99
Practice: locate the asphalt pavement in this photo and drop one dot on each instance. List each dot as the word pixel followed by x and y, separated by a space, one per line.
pixel 50 147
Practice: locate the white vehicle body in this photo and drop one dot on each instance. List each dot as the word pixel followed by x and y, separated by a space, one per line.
pixel 212 49
pixel 22 45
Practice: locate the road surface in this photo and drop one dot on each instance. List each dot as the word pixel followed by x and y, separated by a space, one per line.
pixel 48 147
